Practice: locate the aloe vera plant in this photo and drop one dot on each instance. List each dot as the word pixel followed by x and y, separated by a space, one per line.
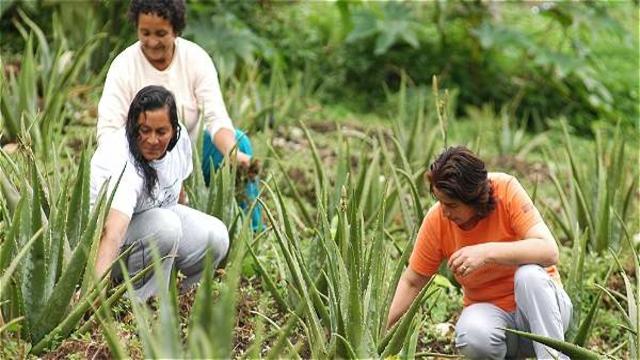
pixel 343 289
pixel 48 71
pixel 213 318
pixel 41 286
pixel 596 191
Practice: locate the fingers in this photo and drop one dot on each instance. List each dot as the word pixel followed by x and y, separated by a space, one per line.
pixel 456 261
pixel 460 263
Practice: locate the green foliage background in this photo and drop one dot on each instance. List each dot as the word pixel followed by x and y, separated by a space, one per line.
pixel 543 60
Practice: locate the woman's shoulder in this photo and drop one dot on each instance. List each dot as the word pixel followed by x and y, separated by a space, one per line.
pixel 112 148
pixel 189 47
pixel 500 177
pixel 501 182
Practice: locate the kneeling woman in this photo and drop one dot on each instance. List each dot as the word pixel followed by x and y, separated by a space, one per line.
pixel 501 252
pixel 146 209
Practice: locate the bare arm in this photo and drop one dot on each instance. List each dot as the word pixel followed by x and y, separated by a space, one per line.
pixel 183 199
pixel 408 288
pixel 537 247
pixel 225 140
pixel 113 233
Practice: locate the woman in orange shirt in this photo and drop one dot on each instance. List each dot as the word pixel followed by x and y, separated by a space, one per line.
pixel 500 251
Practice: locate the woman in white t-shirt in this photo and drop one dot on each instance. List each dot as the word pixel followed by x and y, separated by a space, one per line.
pixel 161 57
pixel 147 209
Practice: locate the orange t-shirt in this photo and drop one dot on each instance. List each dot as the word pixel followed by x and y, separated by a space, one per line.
pixel 439 238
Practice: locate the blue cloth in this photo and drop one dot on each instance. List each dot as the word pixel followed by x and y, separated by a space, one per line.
pixel 211 154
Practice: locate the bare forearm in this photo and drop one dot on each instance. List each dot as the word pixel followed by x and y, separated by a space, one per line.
pixel 107 253
pixel 408 288
pixel 225 140
pixel 113 234
pixel 527 251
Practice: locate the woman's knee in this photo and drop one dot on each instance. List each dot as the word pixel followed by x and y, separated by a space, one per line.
pixel 218 240
pixel 530 275
pixel 478 333
pixel 168 231
pixel 476 341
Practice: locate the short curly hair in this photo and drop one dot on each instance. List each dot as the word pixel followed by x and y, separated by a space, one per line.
pixel 171 10
pixel 461 175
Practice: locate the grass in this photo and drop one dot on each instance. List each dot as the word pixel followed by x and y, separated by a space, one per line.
pixel 274 263
pixel 343 197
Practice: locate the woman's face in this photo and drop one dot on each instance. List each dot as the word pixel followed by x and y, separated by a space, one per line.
pixel 157 38
pixel 154 133
pixel 455 210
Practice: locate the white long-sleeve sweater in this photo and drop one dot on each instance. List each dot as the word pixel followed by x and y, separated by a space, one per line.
pixel 191 77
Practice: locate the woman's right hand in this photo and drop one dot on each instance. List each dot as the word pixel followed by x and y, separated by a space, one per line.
pixel 115 228
pixel 244 160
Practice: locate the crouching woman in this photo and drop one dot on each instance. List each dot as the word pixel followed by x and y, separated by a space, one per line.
pixel 146 210
pixel 501 252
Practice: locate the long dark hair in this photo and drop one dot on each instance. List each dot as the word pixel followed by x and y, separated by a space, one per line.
pixel 461 175
pixel 147 99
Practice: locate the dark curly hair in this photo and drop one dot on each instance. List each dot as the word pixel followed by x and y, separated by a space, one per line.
pixel 461 175
pixel 150 98
pixel 171 10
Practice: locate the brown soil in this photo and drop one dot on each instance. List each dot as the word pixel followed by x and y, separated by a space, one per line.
pixel 94 349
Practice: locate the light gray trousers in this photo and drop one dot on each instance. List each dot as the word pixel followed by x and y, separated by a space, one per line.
pixel 542 307
pixel 179 232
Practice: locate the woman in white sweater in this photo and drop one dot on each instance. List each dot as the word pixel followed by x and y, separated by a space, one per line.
pixel 146 210
pixel 161 57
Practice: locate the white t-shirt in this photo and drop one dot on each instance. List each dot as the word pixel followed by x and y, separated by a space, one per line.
pixel 191 77
pixel 130 198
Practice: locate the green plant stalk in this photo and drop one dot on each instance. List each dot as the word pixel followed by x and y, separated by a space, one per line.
pixel 411 341
pixel 354 323
pixel 77 213
pixel 296 195
pixel 315 332
pixel 440 110
pixel 294 249
pixel 417 203
pixel 269 283
pixel 63 291
pixel 567 348
pixel 400 266
pixel 8 272
pixel 11 323
pixel 392 343
pixel 9 192
pixel 116 293
pixel 65 327
pixel 321 177
pixel 105 320
pixel 276 350
pixel 11 238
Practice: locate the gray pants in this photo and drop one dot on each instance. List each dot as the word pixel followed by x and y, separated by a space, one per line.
pixel 179 232
pixel 542 307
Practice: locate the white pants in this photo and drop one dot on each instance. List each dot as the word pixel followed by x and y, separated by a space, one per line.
pixel 542 307
pixel 179 232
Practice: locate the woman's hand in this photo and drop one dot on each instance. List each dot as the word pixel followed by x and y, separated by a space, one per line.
pixel 225 141
pixel 113 234
pixel 244 160
pixel 469 259
pixel 409 286
pixel 537 247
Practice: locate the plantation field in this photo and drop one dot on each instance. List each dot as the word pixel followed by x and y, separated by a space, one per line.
pixel 343 149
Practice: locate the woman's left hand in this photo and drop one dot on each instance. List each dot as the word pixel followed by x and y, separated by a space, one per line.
pixel 469 258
